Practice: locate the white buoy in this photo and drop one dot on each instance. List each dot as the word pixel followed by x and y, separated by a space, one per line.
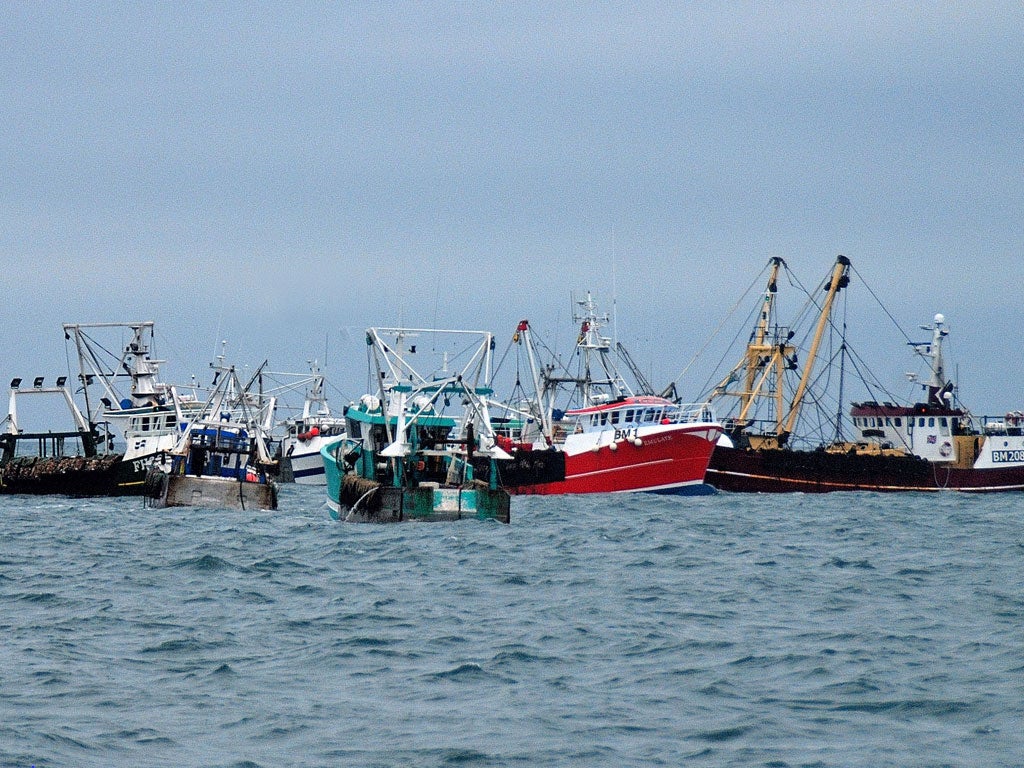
pixel 613 447
pixel 637 442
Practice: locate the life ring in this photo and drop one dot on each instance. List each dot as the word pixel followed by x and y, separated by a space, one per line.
pixel 946 449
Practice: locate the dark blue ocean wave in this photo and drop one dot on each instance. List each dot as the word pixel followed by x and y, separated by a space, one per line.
pixel 601 631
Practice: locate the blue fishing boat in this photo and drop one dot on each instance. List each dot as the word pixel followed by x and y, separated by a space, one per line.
pixel 221 459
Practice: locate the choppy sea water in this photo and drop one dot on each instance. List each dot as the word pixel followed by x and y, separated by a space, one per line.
pixel 842 630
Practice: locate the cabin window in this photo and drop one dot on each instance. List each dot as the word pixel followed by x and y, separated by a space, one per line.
pixel 649 415
pixel 943 425
pixel 145 423
pixel 898 421
pixel 931 421
pixel 920 421
pixel 629 415
pixel 604 419
pixel 615 417
pixel 888 421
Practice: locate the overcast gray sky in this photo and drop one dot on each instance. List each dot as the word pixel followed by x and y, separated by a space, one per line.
pixel 281 175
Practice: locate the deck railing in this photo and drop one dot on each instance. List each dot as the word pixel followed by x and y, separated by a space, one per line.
pixel 687 413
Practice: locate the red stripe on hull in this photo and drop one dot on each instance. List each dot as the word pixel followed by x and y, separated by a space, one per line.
pixel 669 459
pixel 781 471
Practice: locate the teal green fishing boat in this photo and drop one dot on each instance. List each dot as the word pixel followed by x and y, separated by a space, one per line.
pixel 403 457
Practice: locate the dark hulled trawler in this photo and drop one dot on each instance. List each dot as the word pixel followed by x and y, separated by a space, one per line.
pixel 932 444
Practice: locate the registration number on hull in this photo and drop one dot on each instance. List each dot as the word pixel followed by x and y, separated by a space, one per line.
pixel 1008 457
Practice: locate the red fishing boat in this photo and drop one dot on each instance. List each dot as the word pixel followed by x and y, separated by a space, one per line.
pixel 613 439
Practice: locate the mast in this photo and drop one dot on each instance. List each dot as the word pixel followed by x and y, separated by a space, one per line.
pixel 590 341
pixel 839 401
pixel 759 353
pixel 839 280
pixel 315 395
pixel 544 394
pixel 937 387
pixel 768 354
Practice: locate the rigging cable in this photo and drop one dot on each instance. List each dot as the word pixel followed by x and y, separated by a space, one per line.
pixel 880 304
pixel 721 325
pixel 842 374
